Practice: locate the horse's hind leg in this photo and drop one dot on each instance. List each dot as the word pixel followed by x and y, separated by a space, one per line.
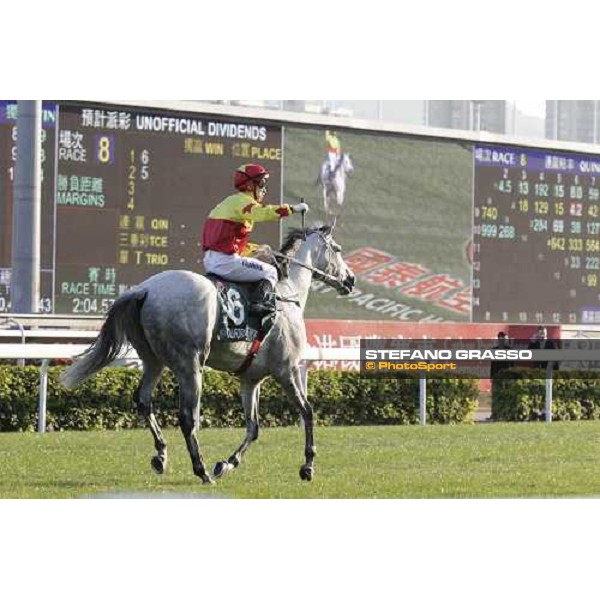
pixel 190 391
pixel 250 396
pixel 292 385
pixel 142 401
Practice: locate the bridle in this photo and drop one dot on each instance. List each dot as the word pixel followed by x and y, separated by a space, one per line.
pixel 318 274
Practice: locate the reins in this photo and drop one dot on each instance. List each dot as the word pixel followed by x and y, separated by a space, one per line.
pixel 322 275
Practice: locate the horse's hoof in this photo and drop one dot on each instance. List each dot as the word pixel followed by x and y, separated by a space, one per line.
pixel 207 480
pixel 158 465
pixel 306 473
pixel 221 468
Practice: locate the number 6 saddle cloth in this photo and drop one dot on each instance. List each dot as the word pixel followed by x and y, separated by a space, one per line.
pixel 236 322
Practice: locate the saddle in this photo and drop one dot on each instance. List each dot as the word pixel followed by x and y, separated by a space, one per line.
pixel 328 173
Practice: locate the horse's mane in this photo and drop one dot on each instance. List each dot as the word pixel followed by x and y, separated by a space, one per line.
pixel 292 242
pixel 295 237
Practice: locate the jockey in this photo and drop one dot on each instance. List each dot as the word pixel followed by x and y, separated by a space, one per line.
pixel 334 149
pixel 228 227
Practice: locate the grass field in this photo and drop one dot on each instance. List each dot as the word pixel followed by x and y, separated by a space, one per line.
pixel 529 460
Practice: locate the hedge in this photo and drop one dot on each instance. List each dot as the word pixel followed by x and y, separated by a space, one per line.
pixel 337 397
pixel 519 395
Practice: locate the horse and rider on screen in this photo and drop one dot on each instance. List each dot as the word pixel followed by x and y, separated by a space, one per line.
pixel 332 177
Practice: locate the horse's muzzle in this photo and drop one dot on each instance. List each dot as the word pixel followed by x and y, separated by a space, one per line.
pixel 348 284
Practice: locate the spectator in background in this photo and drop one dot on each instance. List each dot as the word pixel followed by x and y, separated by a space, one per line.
pixel 539 341
pixel 500 365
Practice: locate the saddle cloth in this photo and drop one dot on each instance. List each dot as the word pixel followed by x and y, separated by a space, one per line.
pixel 236 323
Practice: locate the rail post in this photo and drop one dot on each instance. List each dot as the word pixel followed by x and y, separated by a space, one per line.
pixel 423 400
pixel 43 396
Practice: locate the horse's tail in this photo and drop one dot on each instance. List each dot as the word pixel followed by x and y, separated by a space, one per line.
pixel 122 325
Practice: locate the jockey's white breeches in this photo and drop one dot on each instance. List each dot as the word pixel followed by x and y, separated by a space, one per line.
pixel 238 268
pixel 333 160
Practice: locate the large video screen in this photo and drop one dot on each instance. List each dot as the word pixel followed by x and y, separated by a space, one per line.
pixel 404 220
pixel 436 230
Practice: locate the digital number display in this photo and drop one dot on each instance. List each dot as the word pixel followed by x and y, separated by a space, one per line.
pixel 131 192
pixel 536 242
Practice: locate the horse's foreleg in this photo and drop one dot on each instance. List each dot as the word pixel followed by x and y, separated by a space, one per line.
pixel 326 201
pixel 250 398
pixel 190 391
pixel 293 387
pixel 142 401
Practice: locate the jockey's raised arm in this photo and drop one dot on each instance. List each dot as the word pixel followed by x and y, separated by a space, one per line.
pixel 226 233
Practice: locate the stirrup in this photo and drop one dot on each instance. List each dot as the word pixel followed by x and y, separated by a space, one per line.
pixel 262 310
pixel 264 306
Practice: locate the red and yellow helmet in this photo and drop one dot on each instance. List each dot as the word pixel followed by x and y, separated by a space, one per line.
pixel 247 175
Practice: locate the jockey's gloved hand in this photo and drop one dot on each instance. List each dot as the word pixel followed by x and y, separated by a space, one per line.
pixel 301 207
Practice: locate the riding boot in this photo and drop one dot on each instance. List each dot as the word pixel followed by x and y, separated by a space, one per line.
pixel 263 298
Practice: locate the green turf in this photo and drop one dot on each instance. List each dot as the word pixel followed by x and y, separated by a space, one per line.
pixel 467 461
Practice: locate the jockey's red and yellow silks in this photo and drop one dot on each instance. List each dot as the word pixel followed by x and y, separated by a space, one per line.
pixel 333 143
pixel 230 223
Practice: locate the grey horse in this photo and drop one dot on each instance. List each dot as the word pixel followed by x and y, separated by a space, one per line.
pixel 334 184
pixel 171 319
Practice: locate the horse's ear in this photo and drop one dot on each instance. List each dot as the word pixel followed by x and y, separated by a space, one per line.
pixel 295 246
pixel 293 241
